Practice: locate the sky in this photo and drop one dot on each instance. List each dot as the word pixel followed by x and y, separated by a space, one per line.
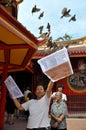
pixel 52 13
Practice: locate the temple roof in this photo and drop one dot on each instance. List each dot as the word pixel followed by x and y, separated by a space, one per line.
pixel 77 51
pixel 17 44
pixel 74 51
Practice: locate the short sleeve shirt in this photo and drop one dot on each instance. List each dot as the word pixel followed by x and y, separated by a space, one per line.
pixel 38 112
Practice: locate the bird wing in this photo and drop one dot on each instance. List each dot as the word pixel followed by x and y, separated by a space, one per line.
pixel 35 9
pixel 73 18
pixel 48 26
pixel 40 28
pixel 41 15
pixel 64 10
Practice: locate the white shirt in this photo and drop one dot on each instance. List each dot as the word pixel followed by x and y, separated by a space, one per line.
pixel 38 112
pixel 64 97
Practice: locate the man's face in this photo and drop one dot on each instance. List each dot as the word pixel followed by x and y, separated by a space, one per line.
pixel 60 89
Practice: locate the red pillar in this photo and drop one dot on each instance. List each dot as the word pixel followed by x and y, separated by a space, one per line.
pixel 3 98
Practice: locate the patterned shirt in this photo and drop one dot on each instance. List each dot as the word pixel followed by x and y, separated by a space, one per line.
pixel 59 109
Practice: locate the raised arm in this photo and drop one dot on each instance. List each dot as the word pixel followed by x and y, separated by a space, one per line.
pixel 49 88
pixel 17 104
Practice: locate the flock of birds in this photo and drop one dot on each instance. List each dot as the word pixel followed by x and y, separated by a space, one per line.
pixel 34 10
pixel 65 13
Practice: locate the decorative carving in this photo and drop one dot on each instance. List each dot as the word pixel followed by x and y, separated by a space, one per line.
pixel 77 81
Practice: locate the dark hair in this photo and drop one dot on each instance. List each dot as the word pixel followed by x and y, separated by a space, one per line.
pixel 39 85
pixel 60 86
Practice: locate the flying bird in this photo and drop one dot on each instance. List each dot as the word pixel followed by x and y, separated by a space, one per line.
pixel 35 9
pixel 44 35
pixel 41 29
pixel 48 27
pixel 41 15
pixel 49 43
pixel 65 12
pixel 73 18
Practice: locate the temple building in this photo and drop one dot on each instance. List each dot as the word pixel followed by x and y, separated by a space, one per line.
pixel 19 52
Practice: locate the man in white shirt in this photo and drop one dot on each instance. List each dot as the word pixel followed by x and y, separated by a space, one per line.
pixel 60 89
pixel 64 96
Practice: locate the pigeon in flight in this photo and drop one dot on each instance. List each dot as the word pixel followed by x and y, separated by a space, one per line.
pixel 35 9
pixel 41 29
pixel 50 43
pixel 44 35
pixel 41 15
pixel 48 27
pixel 73 18
pixel 65 12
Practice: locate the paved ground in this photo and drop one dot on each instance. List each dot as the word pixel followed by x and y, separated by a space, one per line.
pixel 76 123
pixel 19 124
pixel 72 124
